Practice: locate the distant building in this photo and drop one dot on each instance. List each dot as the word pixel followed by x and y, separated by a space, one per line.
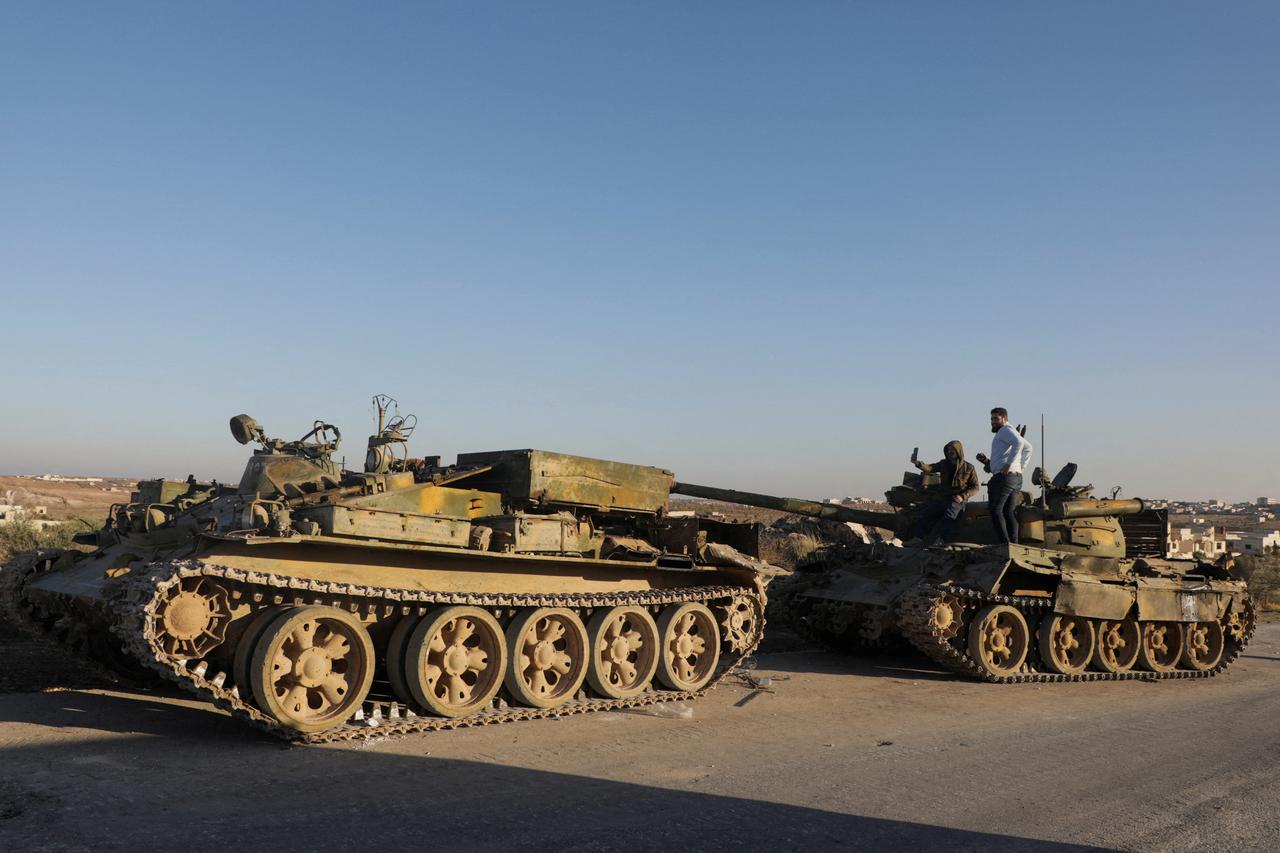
pixel 36 516
pixel 10 512
pixel 1255 543
pixel 1187 541
pixel 58 478
pixel 1265 501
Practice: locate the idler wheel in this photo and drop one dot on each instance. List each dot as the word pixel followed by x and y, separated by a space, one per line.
pixel 1161 646
pixel 1066 643
pixel 312 667
pixel 548 656
pixel 740 622
pixel 690 646
pixel 1205 644
pixel 999 639
pixel 1239 623
pixel 1116 649
pixel 454 661
pixel 624 651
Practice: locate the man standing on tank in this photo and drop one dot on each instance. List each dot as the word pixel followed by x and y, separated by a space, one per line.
pixel 959 483
pixel 1010 453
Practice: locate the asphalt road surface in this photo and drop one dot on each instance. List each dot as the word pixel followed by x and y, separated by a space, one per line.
pixel 880 752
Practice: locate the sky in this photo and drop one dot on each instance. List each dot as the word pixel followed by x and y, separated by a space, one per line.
pixel 766 246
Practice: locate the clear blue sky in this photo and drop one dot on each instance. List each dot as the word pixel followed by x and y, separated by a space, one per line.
pixel 770 246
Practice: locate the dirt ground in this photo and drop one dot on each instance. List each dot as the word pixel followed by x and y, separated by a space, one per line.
pixel 67 500
pixel 877 752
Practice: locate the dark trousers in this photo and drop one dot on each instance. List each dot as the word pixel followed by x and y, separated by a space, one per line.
pixel 946 509
pixel 1002 498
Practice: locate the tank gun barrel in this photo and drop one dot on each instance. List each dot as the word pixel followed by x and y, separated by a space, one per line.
pixel 813 509
pixel 1093 508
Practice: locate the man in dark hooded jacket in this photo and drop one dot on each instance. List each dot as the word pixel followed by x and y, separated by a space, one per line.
pixel 959 483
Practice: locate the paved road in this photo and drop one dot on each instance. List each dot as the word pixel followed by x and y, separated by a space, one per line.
pixel 879 752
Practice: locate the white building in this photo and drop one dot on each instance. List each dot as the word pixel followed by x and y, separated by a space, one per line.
pixel 9 512
pixel 1187 541
pixel 1255 543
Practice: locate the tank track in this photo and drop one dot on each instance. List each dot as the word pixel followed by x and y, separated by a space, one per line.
pixel 136 601
pixel 914 622
pixel 829 624
pixel 13 576
pixel 66 631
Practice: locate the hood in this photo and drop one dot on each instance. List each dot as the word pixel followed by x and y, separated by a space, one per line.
pixel 958 469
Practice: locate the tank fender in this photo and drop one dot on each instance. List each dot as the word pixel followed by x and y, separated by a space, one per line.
pixel 1165 600
pixel 984 574
pixel 1079 596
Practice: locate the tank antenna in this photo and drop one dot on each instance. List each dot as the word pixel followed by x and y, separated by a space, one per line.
pixel 1044 468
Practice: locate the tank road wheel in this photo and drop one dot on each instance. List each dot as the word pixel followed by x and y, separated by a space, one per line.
pixel 999 639
pixel 624 651
pixel 740 622
pixel 454 661
pixel 690 646
pixel 1066 643
pixel 396 655
pixel 1117 646
pixel 193 621
pixel 312 667
pixel 548 656
pixel 1161 646
pixel 241 668
pixel 1205 644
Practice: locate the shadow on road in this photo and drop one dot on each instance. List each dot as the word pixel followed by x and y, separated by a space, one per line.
pixel 127 712
pixel 201 787
pixel 899 662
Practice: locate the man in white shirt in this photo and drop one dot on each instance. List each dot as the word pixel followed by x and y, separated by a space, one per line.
pixel 1010 453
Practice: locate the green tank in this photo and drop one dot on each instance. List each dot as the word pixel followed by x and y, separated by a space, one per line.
pixel 319 603
pixel 1087 595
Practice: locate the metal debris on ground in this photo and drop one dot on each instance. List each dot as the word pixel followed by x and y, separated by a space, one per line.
pixel 663 710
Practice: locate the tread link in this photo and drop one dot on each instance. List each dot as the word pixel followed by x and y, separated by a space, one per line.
pixel 916 626
pixel 136 603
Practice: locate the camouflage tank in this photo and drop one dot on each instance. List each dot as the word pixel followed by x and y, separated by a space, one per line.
pixel 319 603
pixel 1086 596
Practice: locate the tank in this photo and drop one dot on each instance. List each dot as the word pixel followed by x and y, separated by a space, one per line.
pixel 319 603
pixel 1087 595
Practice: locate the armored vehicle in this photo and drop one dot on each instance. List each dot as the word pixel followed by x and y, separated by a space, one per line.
pixel 1086 595
pixel 319 603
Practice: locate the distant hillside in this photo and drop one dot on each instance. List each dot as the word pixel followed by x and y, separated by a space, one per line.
pixel 66 500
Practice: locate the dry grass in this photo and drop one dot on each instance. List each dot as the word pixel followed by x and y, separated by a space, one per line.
pixel 21 535
pixel 797 546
